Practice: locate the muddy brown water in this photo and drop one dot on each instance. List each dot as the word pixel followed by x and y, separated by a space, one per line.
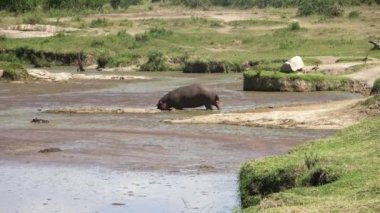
pixel 132 162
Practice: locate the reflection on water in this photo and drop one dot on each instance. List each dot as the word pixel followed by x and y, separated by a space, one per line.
pixel 28 188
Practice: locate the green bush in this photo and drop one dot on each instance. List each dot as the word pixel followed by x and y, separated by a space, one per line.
pixel 156 62
pixel 354 14
pixel 376 87
pixel 124 3
pixel 320 7
pixel 103 60
pixel 19 6
pixel 115 3
pixel 32 19
pixel 74 4
pixel 13 71
pixel 294 26
pixel 153 33
pixel 158 32
pixel 100 22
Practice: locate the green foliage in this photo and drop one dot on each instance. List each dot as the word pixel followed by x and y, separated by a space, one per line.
pixel 294 26
pixel 306 7
pixel 156 62
pixel 32 19
pixel 196 3
pixel 340 168
pixel 354 14
pixel 19 6
pixel 13 71
pixel 159 32
pixel 376 87
pixel 311 159
pixel 74 4
pixel 210 66
pixel 115 3
pixel 99 22
pixel 124 3
pixel 156 32
pixel 321 7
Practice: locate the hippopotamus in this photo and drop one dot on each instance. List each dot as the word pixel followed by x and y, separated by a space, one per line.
pixel 194 95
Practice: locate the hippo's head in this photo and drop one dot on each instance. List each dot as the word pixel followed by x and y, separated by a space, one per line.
pixel 162 105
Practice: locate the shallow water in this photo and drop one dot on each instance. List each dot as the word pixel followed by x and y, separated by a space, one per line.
pixel 137 147
pixel 30 188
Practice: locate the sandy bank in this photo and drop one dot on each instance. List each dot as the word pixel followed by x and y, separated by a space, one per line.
pixel 332 115
pixel 93 110
pixel 41 74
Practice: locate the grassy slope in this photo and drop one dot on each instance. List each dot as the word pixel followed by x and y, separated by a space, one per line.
pixel 351 157
pixel 237 41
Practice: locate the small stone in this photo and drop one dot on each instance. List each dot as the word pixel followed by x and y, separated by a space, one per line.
pixel 118 204
pixel 48 150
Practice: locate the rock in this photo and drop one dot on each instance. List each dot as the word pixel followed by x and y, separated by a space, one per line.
pixel 48 150
pixel 1 73
pixel 39 121
pixel 45 75
pixel 63 76
pixel 118 204
pixel 293 64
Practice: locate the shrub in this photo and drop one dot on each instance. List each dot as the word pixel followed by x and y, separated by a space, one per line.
pixel 320 7
pixel 124 3
pixel 100 22
pixel 74 4
pixel 376 87
pixel 13 71
pixel 19 6
pixel 156 62
pixel 32 19
pixel 115 3
pixel 159 31
pixel 354 14
pixel 97 43
pixel 102 61
pixel 295 26
pixel 141 37
pixel 197 3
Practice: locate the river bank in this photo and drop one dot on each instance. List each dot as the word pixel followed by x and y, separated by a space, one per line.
pixel 325 175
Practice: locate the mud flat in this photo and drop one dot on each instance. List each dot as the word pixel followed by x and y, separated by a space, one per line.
pixel 333 115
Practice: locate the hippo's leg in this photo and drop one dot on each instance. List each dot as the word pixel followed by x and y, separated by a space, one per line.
pixel 208 106
pixel 217 105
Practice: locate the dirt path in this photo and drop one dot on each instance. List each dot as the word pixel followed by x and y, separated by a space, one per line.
pixel 368 75
pixel 333 115
pixel 165 14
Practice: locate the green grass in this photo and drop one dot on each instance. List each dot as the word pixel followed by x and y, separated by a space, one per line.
pixel 343 176
pixel 213 40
